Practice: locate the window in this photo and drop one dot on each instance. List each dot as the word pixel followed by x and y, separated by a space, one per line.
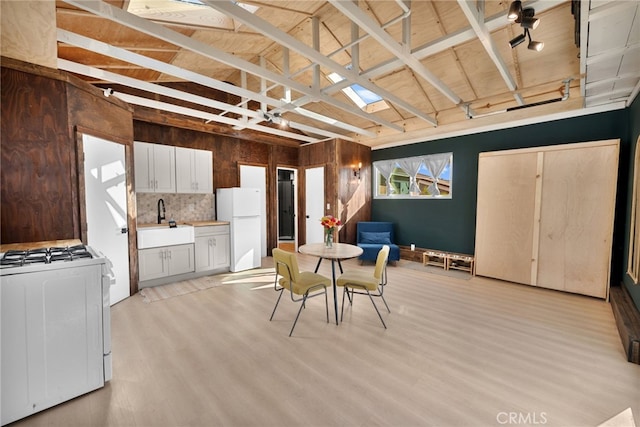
pixel 428 176
pixel 362 97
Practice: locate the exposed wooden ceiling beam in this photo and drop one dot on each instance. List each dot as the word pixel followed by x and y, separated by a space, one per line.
pixel 314 56
pixel 120 16
pixel 357 15
pixel 475 16
pixel 149 63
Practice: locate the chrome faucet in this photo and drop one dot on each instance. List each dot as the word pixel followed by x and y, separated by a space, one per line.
pixel 161 216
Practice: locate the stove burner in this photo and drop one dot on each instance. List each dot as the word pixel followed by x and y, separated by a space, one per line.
pixel 14 258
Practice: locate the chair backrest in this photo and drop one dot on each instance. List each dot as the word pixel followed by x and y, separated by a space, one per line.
pixel 381 262
pixel 374 227
pixel 286 264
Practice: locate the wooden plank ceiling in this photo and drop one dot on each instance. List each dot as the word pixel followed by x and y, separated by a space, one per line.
pixel 264 66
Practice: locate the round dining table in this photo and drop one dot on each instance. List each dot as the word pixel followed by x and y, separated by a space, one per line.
pixel 337 252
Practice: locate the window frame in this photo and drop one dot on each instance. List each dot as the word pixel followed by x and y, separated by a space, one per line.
pixel 447 171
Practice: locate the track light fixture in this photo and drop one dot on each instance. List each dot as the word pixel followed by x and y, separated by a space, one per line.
pixel 517 40
pixel 534 45
pixel 527 20
pixel 514 10
pixel 275 118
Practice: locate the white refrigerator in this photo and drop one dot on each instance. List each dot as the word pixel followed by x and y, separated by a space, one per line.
pixel 241 207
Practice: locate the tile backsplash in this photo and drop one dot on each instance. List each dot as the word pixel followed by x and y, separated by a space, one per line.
pixel 181 207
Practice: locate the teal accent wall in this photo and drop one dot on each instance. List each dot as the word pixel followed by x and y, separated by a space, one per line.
pixel 634 134
pixel 450 224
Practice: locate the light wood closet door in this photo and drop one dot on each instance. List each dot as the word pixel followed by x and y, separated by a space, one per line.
pixel 576 219
pixel 545 216
pixel 505 216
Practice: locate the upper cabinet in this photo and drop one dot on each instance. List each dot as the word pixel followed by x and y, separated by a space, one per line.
pixel 194 171
pixel 167 169
pixel 155 168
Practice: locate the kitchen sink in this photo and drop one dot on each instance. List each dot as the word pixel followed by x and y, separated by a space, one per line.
pixel 163 235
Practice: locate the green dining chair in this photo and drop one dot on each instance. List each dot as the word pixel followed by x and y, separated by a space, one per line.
pixel 365 283
pixel 302 285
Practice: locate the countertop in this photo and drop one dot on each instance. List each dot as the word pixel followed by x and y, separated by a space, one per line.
pixel 37 245
pixel 193 223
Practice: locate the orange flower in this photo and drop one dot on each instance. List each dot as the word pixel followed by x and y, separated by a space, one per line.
pixel 330 221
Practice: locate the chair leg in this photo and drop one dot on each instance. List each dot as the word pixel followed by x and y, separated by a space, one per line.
pixel 304 298
pixel 326 303
pixel 376 307
pixel 277 302
pixel 344 291
pixel 385 303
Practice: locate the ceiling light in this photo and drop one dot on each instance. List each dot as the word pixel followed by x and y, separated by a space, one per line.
pixel 517 40
pixel 537 46
pixel 533 45
pixel 514 10
pixel 529 22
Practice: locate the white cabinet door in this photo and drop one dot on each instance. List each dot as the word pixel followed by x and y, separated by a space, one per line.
pixel 181 259
pixel 143 163
pixel 203 171
pixel 204 253
pixel 152 263
pixel 164 167
pixel 221 251
pixel 184 160
pixel 194 171
pixel 155 168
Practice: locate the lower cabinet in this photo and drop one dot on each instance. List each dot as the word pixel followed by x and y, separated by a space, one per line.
pixel 211 247
pixel 165 261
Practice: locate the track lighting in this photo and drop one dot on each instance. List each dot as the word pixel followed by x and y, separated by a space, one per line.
pixel 517 40
pixel 537 46
pixel 275 118
pixel 514 10
pixel 527 20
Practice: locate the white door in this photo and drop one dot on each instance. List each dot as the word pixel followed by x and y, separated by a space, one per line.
pixel 106 205
pixel 314 195
pixel 256 177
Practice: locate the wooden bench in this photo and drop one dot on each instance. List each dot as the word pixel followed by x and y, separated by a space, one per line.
pixel 449 260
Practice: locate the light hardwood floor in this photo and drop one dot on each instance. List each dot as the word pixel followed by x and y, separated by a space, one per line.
pixel 456 353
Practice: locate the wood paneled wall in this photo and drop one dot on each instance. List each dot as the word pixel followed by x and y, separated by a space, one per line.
pixel 354 192
pixel 228 154
pixel 44 113
pixel 349 198
pixel 37 158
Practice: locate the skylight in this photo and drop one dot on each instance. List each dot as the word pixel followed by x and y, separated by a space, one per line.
pixel 362 97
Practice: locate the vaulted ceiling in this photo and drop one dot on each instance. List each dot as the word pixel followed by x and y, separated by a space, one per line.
pixel 440 67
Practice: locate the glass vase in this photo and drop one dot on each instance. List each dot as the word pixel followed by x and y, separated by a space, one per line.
pixel 328 238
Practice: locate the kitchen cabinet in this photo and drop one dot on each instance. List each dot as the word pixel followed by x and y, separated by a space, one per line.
pixel 155 168
pixel 212 247
pixel 194 171
pixel 545 216
pixel 164 261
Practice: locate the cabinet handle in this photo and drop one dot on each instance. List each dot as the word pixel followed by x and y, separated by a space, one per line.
pixel 214 241
pixel 169 254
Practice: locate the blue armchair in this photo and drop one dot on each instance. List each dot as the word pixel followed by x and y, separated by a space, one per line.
pixel 372 235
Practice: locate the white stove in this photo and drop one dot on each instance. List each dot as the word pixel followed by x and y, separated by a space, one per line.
pixel 56 327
